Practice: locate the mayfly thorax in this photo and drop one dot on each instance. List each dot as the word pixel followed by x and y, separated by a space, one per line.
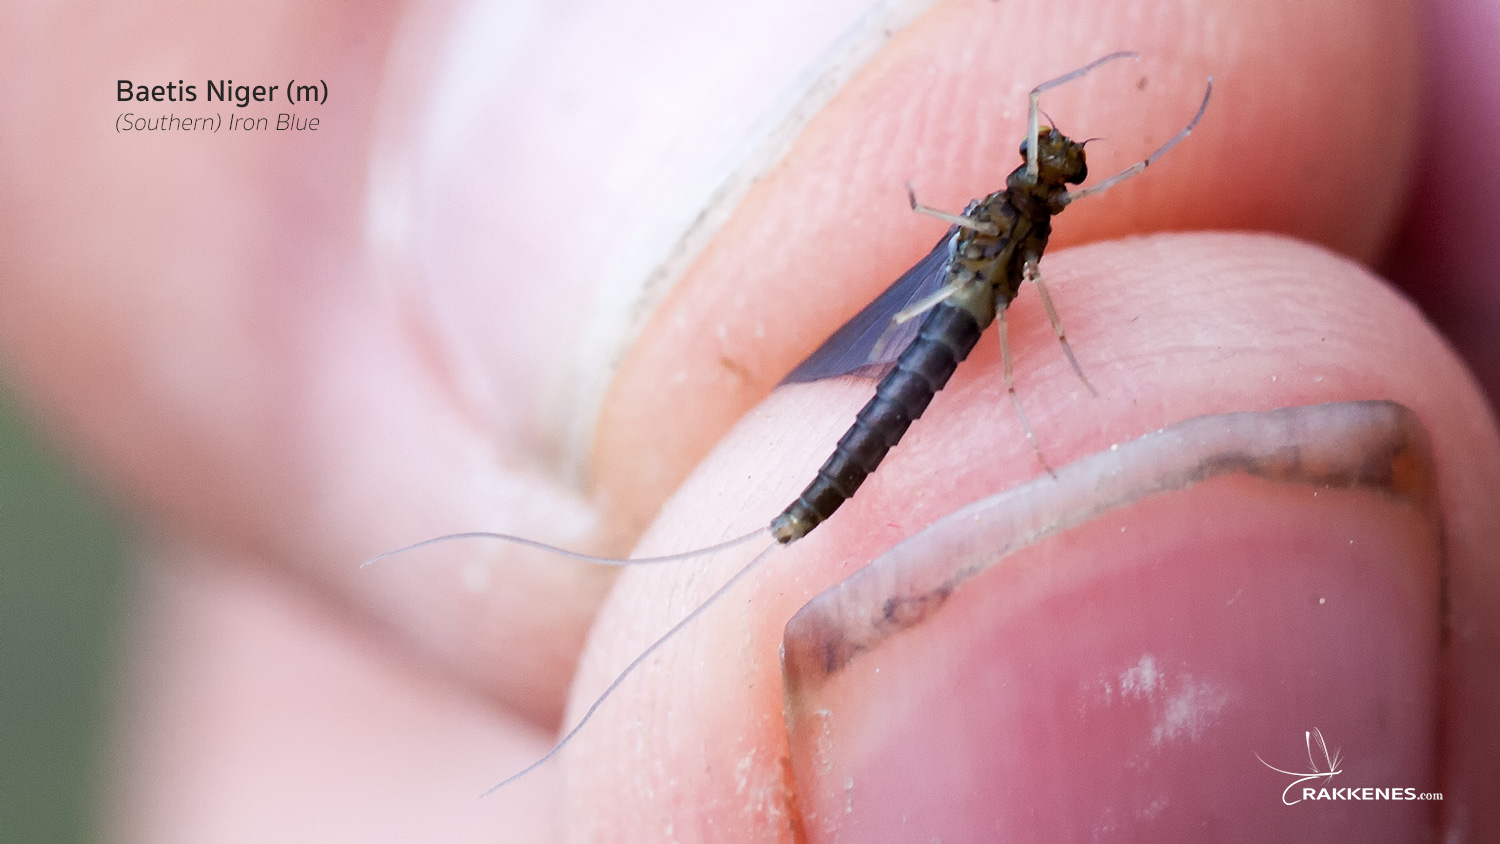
pixel 913 336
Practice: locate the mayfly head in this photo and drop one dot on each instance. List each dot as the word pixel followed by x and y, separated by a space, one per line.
pixel 1060 159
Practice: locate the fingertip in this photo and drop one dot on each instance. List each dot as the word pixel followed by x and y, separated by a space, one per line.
pixel 1168 327
pixel 1101 649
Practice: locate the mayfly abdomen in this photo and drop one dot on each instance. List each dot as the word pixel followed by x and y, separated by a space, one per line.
pixel 948 333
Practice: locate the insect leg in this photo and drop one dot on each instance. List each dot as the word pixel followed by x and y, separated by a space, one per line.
pixel 1032 127
pixel 952 219
pixel 1074 195
pixel 926 304
pixel 1010 387
pixel 1034 274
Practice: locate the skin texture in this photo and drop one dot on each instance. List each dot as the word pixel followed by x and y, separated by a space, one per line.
pixel 209 331
pixel 1443 257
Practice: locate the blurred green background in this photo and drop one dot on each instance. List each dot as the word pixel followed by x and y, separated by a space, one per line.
pixel 61 594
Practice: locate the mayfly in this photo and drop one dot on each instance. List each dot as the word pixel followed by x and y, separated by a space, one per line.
pixel 913 336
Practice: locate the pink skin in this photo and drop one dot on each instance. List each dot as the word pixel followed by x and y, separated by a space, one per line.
pixel 1445 256
pixel 1134 723
pixel 208 329
pixel 1301 287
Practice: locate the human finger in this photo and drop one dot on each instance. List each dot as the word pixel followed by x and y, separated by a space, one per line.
pixel 1171 327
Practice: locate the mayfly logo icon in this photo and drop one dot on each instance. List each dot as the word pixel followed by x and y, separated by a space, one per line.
pixel 1331 769
pixel 1323 764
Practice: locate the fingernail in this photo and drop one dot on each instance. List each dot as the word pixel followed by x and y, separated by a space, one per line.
pixel 1143 649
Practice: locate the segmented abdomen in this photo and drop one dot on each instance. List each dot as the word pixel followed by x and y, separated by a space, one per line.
pixel 947 336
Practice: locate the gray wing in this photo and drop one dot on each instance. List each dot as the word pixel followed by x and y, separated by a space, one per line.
pixel 869 344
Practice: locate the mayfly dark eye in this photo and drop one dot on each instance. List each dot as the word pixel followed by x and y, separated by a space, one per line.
pixel 913 336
